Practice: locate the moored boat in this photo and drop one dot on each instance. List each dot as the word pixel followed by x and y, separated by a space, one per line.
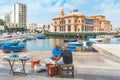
pixel 91 37
pixel 75 44
pixel 72 48
pixel 30 38
pixel 70 40
pixel 7 47
pixel 41 37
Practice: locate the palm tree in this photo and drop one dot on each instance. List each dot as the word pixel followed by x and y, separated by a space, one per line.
pixel 44 29
pixel 48 27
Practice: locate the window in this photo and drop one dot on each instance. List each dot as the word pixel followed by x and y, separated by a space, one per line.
pixel 89 21
pixel 55 28
pixel 62 21
pixel 60 28
pixel 82 21
pixel 69 21
pixel 75 28
pixel 64 28
pixel 75 20
pixel 82 28
pixel 55 22
pixel 69 28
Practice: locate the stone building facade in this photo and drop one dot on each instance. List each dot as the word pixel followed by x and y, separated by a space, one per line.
pixel 75 22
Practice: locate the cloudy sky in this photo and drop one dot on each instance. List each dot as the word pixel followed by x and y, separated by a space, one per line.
pixel 42 11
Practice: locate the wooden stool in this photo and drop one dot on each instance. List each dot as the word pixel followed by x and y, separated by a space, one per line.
pixel 67 70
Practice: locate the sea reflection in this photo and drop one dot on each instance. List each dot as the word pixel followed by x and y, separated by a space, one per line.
pixel 49 43
pixel 44 44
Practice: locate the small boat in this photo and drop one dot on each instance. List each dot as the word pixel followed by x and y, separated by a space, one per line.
pixel 30 38
pixel 70 40
pixel 22 40
pixel 72 48
pixel 91 37
pixel 7 47
pixel 97 40
pixel 41 37
pixel 75 44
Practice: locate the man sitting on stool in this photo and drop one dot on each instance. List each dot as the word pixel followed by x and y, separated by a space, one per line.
pixel 66 55
pixel 66 65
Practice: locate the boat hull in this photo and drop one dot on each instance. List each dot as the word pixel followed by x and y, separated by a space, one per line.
pixel 67 40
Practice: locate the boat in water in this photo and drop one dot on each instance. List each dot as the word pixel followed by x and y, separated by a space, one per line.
pixel 72 48
pixel 91 37
pixel 97 40
pixel 8 47
pixel 70 40
pixel 30 38
pixel 75 43
pixel 41 37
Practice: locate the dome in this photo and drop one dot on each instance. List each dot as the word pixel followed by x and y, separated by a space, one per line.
pixel 75 11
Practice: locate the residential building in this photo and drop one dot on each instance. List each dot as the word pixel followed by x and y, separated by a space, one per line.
pixel 11 25
pixel 40 27
pixel 19 15
pixel 116 29
pixel 32 27
pixel 75 22
pixel 7 17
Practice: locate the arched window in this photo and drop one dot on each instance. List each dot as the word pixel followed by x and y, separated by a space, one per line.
pixel 75 28
pixel 55 22
pixel 62 21
pixel 55 28
pixel 60 28
pixel 69 21
pixel 64 28
pixel 69 28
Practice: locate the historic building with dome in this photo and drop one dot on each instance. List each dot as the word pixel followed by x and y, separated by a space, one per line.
pixel 75 22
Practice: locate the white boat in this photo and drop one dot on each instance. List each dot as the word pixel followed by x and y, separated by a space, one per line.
pixel 97 40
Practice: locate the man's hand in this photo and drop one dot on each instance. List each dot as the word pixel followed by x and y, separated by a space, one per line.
pixel 55 61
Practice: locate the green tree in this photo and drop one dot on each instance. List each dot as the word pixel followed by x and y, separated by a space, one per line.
pixel 1 22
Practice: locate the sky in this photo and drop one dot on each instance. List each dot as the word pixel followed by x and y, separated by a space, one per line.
pixel 42 11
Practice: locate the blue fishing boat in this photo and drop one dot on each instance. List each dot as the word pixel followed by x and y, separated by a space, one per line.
pixel 91 37
pixel 30 38
pixel 70 40
pixel 41 37
pixel 75 44
pixel 72 48
pixel 7 47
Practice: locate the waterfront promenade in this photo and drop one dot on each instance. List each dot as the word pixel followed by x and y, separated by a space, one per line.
pixel 88 66
pixel 111 51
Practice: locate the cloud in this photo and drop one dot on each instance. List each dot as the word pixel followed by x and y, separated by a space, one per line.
pixel 111 9
pixel 4 9
pixel 44 10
